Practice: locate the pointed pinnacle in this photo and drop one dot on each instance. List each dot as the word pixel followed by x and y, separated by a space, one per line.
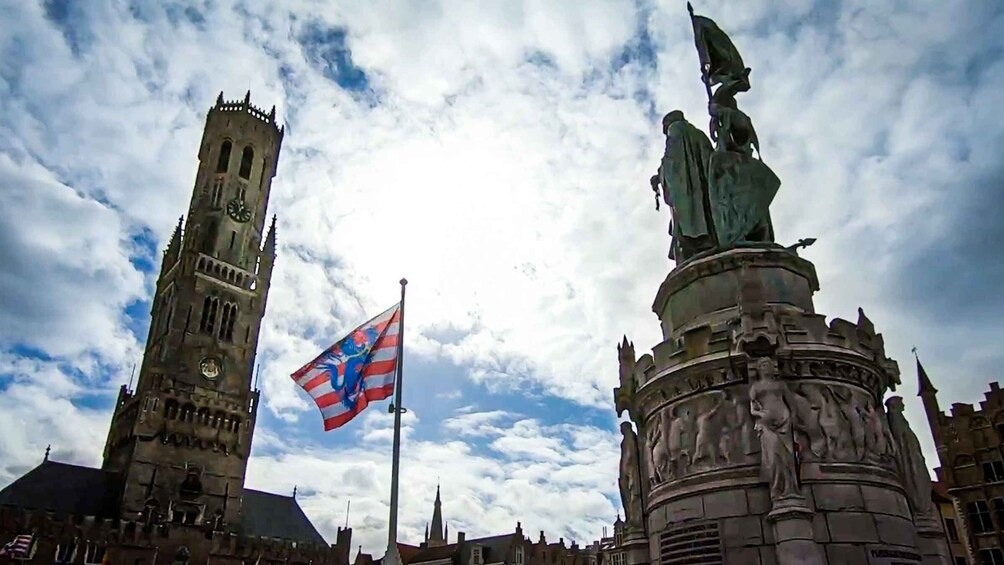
pixel 219 99
pixel 247 97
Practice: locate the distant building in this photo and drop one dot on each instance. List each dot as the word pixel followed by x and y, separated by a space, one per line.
pixel 171 487
pixel 969 443
pixel 950 520
pixel 504 549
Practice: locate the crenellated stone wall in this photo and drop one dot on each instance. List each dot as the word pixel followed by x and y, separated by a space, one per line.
pixel 761 430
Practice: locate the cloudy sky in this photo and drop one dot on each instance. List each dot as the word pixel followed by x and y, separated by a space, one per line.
pixel 496 154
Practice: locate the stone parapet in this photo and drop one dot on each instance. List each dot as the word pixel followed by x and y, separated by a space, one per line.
pixel 762 433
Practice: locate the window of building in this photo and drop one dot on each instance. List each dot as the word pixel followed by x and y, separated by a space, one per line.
pixel 94 553
pixel 217 192
pixel 246 159
pixel 66 552
pixel 476 555
pixel 223 163
pixel 979 517
pixel 952 530
pixel 518 560
pixel 209 307
pixel 998 505
pixel 991 557
pixel 227 321
pixel 993 471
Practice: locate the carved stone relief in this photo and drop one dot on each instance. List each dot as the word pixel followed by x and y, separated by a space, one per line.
pixel 773 422
pixel 630 475
pixel 910 459
pixel 839 424
pixel 700 433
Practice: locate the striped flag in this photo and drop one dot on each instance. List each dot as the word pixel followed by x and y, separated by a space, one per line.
pixel 19 548
pixel 357 369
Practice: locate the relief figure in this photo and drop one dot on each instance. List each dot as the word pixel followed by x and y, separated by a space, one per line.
pixel 658 456
pixel 849 407
pixel 773 418
pixel 630 484
pixel 707 442
pixel 912 467
pixel 681 439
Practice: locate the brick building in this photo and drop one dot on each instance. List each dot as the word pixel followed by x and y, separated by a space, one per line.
pixel 969 441
pixel 171 485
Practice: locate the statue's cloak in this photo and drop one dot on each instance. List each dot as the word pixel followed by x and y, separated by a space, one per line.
pixel 685 180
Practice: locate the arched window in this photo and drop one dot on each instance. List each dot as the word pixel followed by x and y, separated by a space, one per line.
pixel 171 409
pixel 217 192
pixel 218 419
pixel 187 411
pixel 246 159
pixel 203 415
pixel 224 161
pixel 227 321
pixel 235 424
pixel 209 307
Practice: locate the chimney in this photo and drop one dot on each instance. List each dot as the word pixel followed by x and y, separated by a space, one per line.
pixel 461 536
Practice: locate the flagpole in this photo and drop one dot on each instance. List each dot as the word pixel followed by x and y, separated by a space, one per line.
pixel 392 557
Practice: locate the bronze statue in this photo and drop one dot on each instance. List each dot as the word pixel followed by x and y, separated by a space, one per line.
pixel 719 195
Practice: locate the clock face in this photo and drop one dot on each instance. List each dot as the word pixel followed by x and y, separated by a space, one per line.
pixel 210 367
pixel 238 210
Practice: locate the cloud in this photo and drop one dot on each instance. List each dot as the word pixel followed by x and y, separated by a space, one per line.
pixel 498 157
pixel 483 493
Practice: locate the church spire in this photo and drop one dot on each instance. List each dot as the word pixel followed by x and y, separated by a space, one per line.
pixel 929 396
pixel 924 384
pixel 437 535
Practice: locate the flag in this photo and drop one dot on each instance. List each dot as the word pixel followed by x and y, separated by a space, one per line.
pixel 18 548
pixel 356 370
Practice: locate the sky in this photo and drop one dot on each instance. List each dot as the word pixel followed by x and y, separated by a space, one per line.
pixel 496 154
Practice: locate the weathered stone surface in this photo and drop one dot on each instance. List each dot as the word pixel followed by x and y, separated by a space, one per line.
pixel 819 531
pixel 799 552
pixel 792 529
pixel 657 519
pixel 691 508
pixel 884 501
pixel 845 554
pixel 759 500
pixel 768 556
pixel 838 497
pixel 725 503
pixel 741 531
pixel 744 555
pixel 895 530
pixel 851 527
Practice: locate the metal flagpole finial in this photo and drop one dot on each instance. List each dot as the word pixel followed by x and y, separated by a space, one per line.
pixel 914 350
pixel 404 282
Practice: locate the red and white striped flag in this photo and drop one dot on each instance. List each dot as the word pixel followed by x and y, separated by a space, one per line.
pixel 357 369
pixel 18 548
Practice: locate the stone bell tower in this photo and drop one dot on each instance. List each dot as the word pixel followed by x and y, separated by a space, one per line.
pixel 759 432
pixel 181 440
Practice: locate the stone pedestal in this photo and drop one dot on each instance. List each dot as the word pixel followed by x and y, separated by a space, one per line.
pixel 761 429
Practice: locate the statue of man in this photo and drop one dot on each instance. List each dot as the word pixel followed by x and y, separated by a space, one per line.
pixel 630 482
pixel 913 468
pixel 684 178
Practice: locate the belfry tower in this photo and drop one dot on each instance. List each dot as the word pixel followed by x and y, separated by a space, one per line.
pixel 181 440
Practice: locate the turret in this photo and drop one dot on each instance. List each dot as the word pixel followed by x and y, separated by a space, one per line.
pixel 929 396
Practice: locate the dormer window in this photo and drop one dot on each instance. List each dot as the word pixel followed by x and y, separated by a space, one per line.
pixel 476 556
pixel 518 560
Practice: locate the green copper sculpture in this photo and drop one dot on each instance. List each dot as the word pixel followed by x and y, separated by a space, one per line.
pixel 719 195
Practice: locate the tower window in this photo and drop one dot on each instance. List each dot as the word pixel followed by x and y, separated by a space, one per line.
pixel 227 321
pixel 209 308
pixel 217 192
pixel 224 161
pixel 244 193
pixel 233 236
pixel 246 159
